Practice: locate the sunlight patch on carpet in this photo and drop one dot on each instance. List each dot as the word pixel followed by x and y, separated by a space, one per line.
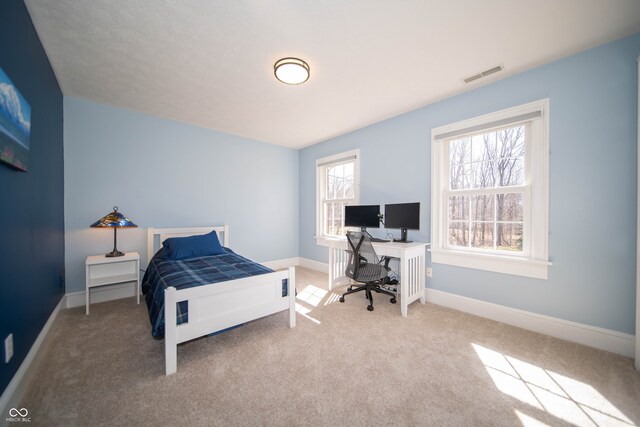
pixel 332 298
pixel 565 398
pixel 304 311
pixel 528 421
pixel 312 295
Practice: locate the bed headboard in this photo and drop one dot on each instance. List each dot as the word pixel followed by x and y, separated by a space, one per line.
pixel 155 236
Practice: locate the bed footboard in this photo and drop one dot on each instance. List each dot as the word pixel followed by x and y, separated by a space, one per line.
pixel 222 305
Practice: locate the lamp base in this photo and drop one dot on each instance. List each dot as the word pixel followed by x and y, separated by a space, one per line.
pixel 114 253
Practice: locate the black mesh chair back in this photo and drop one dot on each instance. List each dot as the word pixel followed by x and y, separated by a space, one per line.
pixel 364 266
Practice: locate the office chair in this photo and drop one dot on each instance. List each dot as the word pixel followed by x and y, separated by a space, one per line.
pixel 365 267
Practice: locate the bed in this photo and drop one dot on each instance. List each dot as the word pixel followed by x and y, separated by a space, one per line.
pixel 198 309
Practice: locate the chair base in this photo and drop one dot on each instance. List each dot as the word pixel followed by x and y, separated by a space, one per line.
pixel 367 288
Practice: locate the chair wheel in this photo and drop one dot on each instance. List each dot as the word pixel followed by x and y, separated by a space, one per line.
pixel 350 288
pixel 370 307
pixel 341 299
pixel 393 300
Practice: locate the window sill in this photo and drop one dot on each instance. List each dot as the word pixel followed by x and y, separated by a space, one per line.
pixel 527 267
pixel 326 240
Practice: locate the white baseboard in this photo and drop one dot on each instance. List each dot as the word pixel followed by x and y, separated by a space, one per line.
pixel 279 264
pixel 592 336
pixel 101 294
pixel 322 267
pixel 14 392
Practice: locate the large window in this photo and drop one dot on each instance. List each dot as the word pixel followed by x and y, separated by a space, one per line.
pixel 337 186
pixel 490 201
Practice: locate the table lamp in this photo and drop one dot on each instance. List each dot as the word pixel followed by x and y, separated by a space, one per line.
pixel 114 220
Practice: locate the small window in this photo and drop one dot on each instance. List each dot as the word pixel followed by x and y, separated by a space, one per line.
pixel 337 186
pixel 490 192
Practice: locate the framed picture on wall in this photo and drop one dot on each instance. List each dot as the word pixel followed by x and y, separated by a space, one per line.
pixel 15 125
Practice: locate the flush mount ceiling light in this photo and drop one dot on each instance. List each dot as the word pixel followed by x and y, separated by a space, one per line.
pixel 291 71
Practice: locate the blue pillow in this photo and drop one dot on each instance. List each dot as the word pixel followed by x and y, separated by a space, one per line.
pixel 177 248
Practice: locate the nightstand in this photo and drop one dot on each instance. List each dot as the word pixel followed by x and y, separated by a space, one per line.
pixel 102 270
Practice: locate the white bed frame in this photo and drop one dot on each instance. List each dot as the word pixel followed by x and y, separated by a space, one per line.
pixel 219 305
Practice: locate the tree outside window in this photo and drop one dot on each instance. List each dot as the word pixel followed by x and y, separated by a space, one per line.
pixel 486 193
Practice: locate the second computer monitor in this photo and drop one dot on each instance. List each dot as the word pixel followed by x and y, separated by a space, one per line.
pixel 363 216
pixel 405 216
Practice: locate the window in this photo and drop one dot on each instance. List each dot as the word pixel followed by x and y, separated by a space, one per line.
pixel 337 186
pixel 490 192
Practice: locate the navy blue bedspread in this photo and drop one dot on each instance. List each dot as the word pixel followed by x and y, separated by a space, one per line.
pixel 162 273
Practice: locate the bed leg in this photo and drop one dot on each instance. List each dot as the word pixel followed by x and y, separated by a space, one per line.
pixel 292 297
pixel 170 332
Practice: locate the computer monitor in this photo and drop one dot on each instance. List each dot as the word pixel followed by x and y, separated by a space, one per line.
pixel 405 216
pixel 362 216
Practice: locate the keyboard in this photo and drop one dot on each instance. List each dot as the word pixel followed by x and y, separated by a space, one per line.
pixel 376 240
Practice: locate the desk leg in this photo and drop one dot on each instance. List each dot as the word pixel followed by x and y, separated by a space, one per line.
pixel 331 269
pixel 404 286
pixel 422 275
pixel 412 280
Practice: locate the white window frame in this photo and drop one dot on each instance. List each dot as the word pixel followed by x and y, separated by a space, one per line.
pixel 533 261
pixel 321 165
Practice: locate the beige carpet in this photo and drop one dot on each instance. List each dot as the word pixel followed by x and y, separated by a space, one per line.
pixel 341 365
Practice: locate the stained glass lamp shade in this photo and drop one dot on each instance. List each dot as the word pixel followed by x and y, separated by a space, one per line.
pixel 114 220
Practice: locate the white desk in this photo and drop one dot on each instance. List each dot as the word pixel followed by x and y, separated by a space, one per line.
pixel 412 267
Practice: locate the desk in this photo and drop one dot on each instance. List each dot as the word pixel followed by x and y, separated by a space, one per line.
pixel 412 267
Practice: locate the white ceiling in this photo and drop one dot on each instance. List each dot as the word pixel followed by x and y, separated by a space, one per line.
pixel 210 63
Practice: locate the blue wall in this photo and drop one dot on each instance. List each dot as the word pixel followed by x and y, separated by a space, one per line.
pixel 31 211
pixel 593 118
pixel 167 174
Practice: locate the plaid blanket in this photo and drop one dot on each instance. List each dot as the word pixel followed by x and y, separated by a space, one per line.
pixel 162 273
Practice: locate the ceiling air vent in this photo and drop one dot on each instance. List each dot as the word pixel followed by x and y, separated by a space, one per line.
pixel 484 73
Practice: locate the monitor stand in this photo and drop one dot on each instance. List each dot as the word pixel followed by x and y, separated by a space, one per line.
pixel 403 237
pixel 364 231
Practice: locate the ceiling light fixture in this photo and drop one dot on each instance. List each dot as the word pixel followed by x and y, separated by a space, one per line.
pixel 291 71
